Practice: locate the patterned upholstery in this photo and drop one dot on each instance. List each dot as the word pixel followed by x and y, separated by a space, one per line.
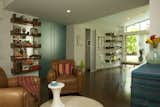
pixel 64 69
pixel 29 83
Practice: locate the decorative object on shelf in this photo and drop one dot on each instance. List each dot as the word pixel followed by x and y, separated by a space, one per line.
pixel 24 30
pixel 23 20
pixel 153 56
pixel 25 35
pixel 34 31
pixel 140 58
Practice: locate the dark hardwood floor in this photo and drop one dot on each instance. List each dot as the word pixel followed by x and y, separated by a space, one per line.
pixel 106 86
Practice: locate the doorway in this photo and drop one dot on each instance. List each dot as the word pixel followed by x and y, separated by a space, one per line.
pixel 87 48
pixel 90 50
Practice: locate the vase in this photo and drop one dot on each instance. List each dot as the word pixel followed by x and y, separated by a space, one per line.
pixel 153 57
pixel 140 58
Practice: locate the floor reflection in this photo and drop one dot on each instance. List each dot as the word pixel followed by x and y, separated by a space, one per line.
pixel 111 87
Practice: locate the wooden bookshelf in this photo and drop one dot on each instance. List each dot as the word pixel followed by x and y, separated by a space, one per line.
pixel 25 46
pixel 22 61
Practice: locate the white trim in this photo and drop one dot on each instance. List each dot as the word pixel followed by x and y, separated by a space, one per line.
pixel 141 32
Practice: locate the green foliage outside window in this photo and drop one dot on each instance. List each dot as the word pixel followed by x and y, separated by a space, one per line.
pixel 131 45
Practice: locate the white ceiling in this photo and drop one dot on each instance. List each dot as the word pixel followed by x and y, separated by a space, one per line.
pixel 113 23
pixel 82 10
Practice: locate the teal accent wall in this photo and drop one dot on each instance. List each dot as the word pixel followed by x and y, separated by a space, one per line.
pixel 53 41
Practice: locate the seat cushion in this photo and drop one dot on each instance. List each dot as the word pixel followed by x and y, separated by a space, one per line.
pixel 70 81
pixel 3 79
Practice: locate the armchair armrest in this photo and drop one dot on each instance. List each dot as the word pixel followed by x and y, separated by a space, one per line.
pixel 17 97
pixel 77 72
pixel 12 82
pixel 80 79
pixel 10 97
pixel 51 75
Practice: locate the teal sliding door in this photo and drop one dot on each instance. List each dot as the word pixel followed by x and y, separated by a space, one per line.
pixel 53 42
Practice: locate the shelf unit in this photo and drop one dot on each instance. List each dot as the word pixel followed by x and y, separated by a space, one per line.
pixel 113 49
pixel 13 45
pixel 25 44
pixel 25 34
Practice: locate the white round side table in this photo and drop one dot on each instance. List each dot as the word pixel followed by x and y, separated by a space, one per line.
pixel 56 89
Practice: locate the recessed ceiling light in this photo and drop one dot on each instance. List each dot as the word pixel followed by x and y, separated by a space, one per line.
pixel 68 11
pixel 128 18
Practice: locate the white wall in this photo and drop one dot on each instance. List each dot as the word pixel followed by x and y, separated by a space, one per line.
pixel 79 48
pixel 77 31
pixel 70 42
pixel 5 40
pixel 155 17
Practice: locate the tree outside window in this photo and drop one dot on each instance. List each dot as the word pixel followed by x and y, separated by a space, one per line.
pixel 131 45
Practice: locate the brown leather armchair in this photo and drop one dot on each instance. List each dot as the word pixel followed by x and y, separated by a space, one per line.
pixel 13 95
pixel 65 71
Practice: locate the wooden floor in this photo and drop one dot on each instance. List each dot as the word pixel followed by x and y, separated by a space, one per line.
pixel 105 86
pixel 108 87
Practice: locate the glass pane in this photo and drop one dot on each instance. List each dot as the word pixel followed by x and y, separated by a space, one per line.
pixel 131 45
pixel 132 28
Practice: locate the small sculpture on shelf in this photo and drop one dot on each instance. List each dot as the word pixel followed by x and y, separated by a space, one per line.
pixel 34 31
pixel 27 43
pixel 23 30
pixel 17 19
pixel 36 22
pixel 140 58
pixel 24 20
pixel 16 29
pixel 20 53
pixel 35 56
pixel 25 67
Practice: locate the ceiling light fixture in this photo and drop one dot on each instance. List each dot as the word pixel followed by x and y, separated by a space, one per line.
pixel 128 18
pixel 68 11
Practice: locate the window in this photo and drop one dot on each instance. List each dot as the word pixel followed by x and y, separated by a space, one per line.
pixel 132 28
pixel 145 25
pixel 142 25
pixel 136 40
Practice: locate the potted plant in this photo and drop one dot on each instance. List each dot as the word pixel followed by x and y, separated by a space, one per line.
pixel 82 66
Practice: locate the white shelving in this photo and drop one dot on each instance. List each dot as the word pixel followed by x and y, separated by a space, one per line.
pixel 112 50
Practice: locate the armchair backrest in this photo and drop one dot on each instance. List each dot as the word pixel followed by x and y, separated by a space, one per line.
pixel 3 79
pixel 63 67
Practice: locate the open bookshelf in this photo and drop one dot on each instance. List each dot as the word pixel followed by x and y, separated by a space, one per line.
pixel 113 49
pixel 25 44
